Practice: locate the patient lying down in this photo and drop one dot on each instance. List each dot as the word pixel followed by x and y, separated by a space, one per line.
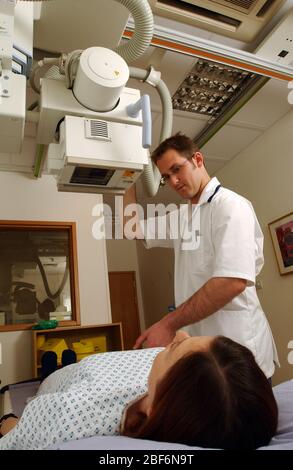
pixel 200 391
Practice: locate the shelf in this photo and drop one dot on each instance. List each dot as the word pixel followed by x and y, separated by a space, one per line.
pixel 112 331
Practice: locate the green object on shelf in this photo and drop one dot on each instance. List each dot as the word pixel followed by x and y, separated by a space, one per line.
pixel 45 325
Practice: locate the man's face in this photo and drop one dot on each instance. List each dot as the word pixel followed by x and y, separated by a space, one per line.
pixel 183 175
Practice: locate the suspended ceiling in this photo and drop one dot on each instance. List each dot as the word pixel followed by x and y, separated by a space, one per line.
pixel 261 112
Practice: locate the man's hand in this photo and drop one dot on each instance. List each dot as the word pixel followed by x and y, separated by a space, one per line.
pixel 158 334
pixel 8 424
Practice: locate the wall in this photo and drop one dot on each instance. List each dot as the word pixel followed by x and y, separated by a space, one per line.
pixel 263 174
pixel 122 256
pixel 23 198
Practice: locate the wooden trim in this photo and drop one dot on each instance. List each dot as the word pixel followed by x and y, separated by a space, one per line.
pixel 275 251
pixel 280 218
pixel 74 284
pixel 34 224
pixel 70 227
pixel 18 327
pixel 121 335
pixel 274 244
pixel 102 325
pixel 28 326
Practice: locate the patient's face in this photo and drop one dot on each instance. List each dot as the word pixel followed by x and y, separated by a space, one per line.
pixel 180 346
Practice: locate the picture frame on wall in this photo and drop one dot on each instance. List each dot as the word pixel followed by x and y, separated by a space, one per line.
pixel 281 231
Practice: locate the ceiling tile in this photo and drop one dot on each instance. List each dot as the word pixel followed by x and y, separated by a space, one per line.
pixel 189 123
pixel 266 107
pixel 229 141
pixel 213 166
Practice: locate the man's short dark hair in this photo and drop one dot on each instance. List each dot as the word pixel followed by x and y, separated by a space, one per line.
pixel 179 142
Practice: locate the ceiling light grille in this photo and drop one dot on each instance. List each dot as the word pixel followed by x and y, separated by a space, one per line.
pixel 208 87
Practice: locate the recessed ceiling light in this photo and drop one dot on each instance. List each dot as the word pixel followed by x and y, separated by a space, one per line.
pixel 208 87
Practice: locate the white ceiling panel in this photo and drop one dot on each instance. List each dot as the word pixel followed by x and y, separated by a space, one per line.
pixel 213 166
pixel 174 68
pixel 191 123
pixel 183 27
pixel 145 88
pixel 72 24
pixel 188 123
pixel 266 107
pixel 145 59
pixel 229 141
pixel 157 123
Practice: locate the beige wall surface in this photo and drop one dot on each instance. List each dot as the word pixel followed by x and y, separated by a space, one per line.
pixel 263 174
pixel 122 256
pixel 23 198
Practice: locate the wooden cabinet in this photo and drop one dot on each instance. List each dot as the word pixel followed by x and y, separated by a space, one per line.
pixel 112 332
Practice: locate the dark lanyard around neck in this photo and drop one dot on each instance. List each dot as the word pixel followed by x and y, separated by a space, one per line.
pixel 214 193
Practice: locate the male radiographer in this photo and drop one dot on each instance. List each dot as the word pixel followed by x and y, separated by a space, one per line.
pixel 215 269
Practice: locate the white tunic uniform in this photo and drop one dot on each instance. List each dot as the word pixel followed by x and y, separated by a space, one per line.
pixel 228 243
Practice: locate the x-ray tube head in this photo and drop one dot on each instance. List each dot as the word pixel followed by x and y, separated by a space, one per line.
pixel 101 76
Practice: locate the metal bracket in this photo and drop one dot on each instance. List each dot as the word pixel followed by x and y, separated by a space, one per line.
pixel 153 77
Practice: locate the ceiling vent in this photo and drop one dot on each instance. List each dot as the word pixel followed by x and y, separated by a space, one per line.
pixel 238 19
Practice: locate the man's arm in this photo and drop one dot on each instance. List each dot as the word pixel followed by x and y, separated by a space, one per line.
pixel 211 297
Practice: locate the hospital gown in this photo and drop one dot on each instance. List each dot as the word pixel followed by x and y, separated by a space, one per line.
pixel 82 400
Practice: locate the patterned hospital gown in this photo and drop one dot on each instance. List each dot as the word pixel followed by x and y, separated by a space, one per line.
pixel 82 400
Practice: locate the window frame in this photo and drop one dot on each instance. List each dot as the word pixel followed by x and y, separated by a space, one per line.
pixel 70 227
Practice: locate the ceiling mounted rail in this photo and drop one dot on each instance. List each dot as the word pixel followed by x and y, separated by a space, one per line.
pixel 197 47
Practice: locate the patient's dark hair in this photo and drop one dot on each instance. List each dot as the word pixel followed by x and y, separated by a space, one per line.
pixel 218 398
